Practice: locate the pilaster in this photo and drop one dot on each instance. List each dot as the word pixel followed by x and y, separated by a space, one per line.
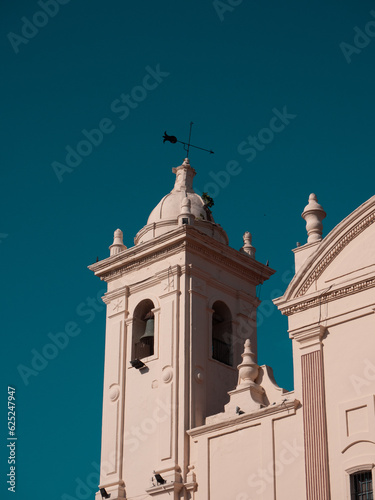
pixel 113 394
pixel 314 411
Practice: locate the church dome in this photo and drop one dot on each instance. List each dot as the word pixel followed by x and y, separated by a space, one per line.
pixel 169 207
pixel 164 217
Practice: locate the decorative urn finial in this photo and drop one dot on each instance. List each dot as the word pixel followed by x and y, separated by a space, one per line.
pixel 118 243
pixel 248 396
pixel 248 369
pixel 313 214
pixel 247 246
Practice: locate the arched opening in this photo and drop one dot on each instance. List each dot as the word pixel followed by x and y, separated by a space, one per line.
pixel 361 486
pixel 143 330
pixel 222 333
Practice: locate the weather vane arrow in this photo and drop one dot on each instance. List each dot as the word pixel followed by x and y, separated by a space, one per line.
pixel 187 145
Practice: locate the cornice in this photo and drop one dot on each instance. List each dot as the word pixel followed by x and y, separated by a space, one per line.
pixel 131 253
pixel 141 261
pixel 234 261
pixel 288 407
pixel 115 294
pixel 190 239
pixel 320 297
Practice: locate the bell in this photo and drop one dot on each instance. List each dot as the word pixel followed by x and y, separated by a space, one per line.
pixel 149 331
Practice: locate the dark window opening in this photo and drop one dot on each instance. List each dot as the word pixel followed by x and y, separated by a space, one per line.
pixel 361 486
pixel 222 333
pixel 143 330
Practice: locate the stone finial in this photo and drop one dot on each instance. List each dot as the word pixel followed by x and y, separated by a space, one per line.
pixel 247 246
pixel 184 177
pixel 248 369
pixel 313 214
pixel 118 243
pixel 248 396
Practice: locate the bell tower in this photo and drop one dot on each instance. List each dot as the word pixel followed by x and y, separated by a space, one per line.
pixel 180 304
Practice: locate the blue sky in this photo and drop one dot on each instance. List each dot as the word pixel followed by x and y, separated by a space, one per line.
pixel 229 67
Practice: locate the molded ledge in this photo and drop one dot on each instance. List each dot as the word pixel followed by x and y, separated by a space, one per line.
pixel 308 336
pixel 222 421
pixel 155 491
pixel 117 491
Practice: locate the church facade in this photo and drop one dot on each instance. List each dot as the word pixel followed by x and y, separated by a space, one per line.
pixel 187 411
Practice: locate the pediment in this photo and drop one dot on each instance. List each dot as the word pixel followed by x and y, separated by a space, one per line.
pixel 356 260
pixel 346 254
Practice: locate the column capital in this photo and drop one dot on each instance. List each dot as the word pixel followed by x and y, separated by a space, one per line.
pixel 308 336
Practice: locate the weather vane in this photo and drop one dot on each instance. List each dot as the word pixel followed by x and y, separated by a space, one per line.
pixel 187 145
